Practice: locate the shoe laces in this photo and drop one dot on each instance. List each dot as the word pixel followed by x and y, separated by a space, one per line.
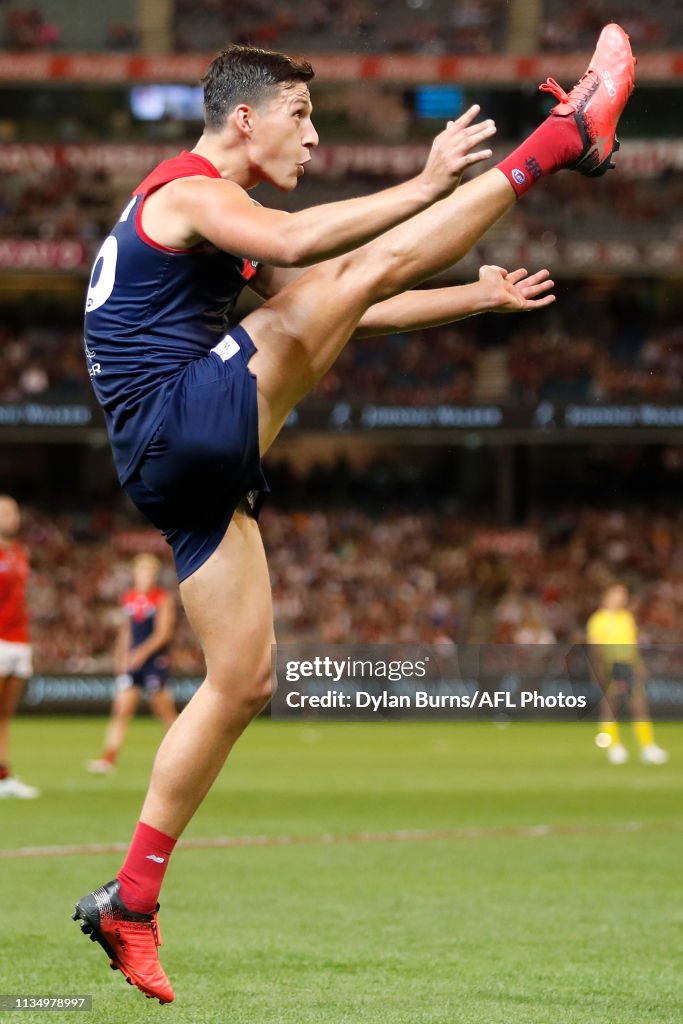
pixel 580 92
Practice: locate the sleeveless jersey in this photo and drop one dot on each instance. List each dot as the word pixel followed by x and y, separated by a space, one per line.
pixel 150 310
pixel 14 571
pixel 140 608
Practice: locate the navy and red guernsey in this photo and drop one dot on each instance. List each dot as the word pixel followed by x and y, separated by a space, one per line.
pixel 141 608
pixel 150 311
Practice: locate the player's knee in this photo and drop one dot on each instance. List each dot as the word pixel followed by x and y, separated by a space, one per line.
pixel 366 277
pixel 247 686
pixel 259 692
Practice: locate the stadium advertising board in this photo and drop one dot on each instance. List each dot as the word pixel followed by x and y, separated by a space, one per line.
pixel 464 682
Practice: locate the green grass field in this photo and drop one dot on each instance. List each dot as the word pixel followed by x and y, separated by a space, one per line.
pixel 579 924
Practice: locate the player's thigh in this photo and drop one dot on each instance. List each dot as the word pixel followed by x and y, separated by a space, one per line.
pixel 300 332
pixel 228 604
pixel 10 692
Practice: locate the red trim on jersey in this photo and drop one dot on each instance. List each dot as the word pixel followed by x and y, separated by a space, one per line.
pixel 184 166
pixel 153 596
pixel 157 245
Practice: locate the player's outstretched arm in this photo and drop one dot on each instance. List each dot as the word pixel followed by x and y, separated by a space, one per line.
pixel 496 291
pixel 192 209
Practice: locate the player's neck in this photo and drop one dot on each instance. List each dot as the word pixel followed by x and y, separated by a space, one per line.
pixel 229 160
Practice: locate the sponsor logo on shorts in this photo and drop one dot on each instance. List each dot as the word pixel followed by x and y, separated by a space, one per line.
pixel 519 176
pixel 226 349
pixel 534 168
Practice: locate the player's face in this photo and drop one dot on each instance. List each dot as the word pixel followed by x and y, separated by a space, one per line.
pixel 9 517
pixel 145 575
pixel 283 136
pixel 617 598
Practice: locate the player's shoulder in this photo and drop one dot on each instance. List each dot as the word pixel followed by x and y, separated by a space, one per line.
pixel 14 553
pixel 191 184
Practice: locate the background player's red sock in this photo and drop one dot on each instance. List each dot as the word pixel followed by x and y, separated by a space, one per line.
pixel 4 771
pixel 555 143
pixel 144 868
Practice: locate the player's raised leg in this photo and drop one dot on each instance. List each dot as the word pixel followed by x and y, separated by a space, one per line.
pixel 301 331
pixel 579 134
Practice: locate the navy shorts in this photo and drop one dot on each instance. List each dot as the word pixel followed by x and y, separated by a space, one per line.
pixel 204 459
pixel 150 677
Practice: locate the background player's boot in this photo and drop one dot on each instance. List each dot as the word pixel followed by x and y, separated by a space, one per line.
pixel 130 940
pixel 617 754
pixel 99 766
pixel 652 754
pixel 12 787
pixel 597 100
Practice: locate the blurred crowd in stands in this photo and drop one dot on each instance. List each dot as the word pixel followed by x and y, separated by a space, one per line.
pixel 63 203
pixel 620 346
pixel 343 575
pixel 407 26
pixel 548 596
pixel 30 29
pixel 657 25
pixel 69 202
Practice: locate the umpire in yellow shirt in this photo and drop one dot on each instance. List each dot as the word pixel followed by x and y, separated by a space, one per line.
pixel 621 672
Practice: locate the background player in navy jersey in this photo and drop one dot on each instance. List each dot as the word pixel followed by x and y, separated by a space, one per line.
pixel 192 406
pixel 141 658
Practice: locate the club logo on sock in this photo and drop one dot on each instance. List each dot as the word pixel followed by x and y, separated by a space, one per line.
pixel 519 176
pixel 157 860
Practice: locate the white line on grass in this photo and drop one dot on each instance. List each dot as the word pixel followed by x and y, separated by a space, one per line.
pixel 402 836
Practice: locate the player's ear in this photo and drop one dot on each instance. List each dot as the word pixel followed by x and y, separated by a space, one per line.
pixel 243 118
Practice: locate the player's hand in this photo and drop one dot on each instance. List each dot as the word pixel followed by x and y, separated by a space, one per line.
pixel 516 291
pixel 136 660
pixel 454 150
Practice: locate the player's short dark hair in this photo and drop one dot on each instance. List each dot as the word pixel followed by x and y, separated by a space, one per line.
pixel 246 74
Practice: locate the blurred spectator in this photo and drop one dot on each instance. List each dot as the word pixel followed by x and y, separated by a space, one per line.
pixel 27 29
pixel 121 36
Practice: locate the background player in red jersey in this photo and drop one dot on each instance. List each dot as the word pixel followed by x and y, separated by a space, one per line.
pixel 15 650
pixel 188 430
pixel 141 658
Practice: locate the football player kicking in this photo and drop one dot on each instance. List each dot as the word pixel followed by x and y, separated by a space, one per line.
pixel 192 408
